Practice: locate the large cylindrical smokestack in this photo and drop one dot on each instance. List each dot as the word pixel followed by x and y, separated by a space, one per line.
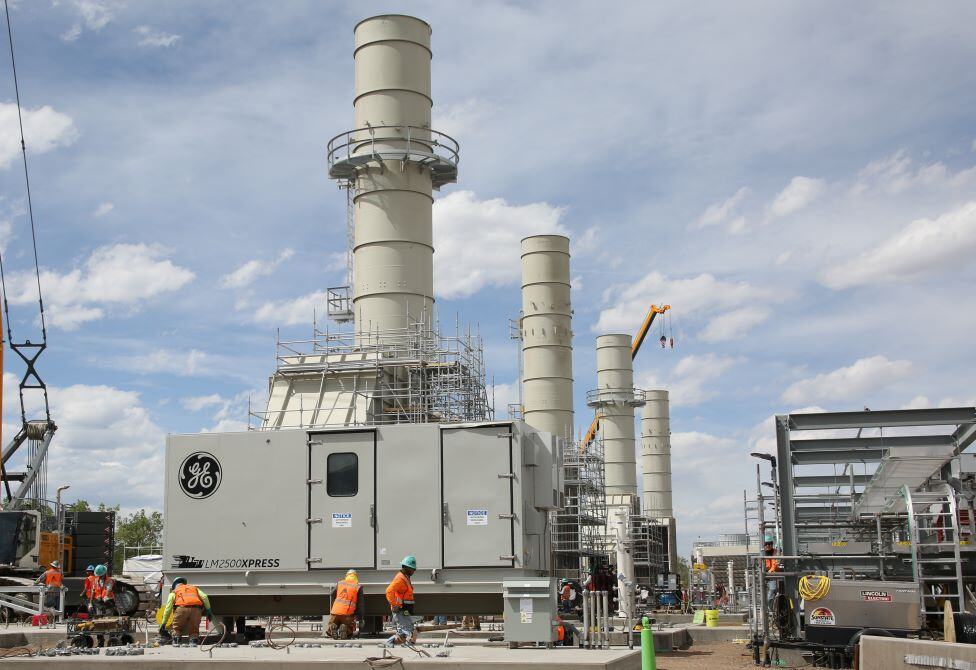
pixel 656 456
pixel 615 400
pixel 547 335
pixel 393 255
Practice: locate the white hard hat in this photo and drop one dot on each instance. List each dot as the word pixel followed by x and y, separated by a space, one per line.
pixel 55 564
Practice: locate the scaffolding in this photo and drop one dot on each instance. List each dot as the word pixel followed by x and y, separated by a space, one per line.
pixel 579 527
pixel 345 378
pixel 649 547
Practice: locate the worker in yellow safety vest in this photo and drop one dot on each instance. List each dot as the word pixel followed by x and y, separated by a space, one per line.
pixel 189 605
pixel 348 607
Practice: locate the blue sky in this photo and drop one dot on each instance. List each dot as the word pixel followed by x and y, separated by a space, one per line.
pixel 797 180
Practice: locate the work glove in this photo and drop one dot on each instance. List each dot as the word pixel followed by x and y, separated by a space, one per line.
pixel 209 615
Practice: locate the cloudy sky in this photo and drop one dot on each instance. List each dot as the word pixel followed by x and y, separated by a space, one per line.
pixel 797 180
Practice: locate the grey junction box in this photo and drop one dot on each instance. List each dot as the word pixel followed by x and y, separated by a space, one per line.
pixel 530 610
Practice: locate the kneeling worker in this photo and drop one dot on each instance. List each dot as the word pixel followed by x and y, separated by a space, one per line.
pixel 400 596
pixel 191 604
pixel 348 607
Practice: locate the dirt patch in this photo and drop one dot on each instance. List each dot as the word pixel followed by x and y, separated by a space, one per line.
pixel 714 656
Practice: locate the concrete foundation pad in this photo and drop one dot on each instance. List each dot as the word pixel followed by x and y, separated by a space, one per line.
pixel 461 658
pixel 700 633
pixel 888 653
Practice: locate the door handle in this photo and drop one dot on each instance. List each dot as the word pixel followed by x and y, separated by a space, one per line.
pixel 311 521
pixel 506 516
pixel 506 475
pixel 506 558
pixel 372 516
pixel 444 515
pixel 313 481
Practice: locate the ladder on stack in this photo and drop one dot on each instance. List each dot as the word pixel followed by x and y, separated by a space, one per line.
pixel 933 524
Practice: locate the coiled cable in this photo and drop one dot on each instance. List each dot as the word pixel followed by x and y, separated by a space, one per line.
pixel 811 592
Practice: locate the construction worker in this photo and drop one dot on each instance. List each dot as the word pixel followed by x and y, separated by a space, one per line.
pixel 400 596
pixel 566 596
pixel 104 591
pixel 348 607
pixel 771 566
pixel 190 605
pixel 88 587
pixel 54 581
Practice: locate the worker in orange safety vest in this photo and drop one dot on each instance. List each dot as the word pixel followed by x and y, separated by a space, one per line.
pixel 104 591
pixel 399 594
pixel 54 581
pixel 88 587
pixel 348 607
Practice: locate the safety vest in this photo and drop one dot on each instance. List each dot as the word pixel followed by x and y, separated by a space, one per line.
pixel 52 578
pixel 772 565
pixel 88 589
pixel 561 632
pixel 187 596
pixel 567 590
pixel 400 591
pixel 347 593
pixel 105 588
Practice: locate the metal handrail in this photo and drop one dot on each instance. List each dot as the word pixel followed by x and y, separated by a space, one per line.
pixel 345 146
pixel 607 394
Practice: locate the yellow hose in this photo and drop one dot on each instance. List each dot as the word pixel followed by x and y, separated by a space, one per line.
pixel 816 592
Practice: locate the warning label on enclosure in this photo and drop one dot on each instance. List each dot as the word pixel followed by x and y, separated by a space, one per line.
pixel 477 517
pixel 342 519
pixel 823 616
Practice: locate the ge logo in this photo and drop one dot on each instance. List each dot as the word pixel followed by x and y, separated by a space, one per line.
pixel 200 475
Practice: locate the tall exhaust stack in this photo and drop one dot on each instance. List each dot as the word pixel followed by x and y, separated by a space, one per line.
pixel 656 467
pixel 656 456
pixel 547 335
pixel 615 400
pixel 394 160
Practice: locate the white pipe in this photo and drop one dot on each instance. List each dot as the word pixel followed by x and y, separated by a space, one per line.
pixel 606 620
pixel 586 619
pixel 547 335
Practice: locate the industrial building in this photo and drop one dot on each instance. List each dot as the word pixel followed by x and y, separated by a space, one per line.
pixel 379 453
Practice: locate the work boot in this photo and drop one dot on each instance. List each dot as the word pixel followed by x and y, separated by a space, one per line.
pixel 332 631
pixel 344 632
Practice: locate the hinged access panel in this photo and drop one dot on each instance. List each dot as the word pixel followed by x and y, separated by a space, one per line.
pixel 342 499
pixel 477 491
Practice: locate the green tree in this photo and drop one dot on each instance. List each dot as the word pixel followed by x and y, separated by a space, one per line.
pixel 78 506
pixel 684 571
pixel 138 529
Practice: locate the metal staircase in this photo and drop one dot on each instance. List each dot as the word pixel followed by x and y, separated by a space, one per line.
pixel 933 524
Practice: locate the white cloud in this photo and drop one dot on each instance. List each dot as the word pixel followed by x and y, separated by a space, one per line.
pixel 183 363
pixel 247 273
pixel 734 325
pixel 720 212
pixel 92 15
pixel 197 403
pixel 461 119
pixel 120 274
pixel 155 38
pixel 896 174
pixel 44 130
pixel 693 450
pixel 924 246
pixel 762 436
pixel 101 426
pixel 800 192
pixel 697 297
pixel 292 312
pixel 102 210
pixel 688 382
pixel 853 382
pixel 504 395
pixel 477 241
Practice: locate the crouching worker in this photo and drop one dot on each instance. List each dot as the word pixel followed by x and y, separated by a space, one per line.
pixel 188 605
pixel 400 596
pixel 348 607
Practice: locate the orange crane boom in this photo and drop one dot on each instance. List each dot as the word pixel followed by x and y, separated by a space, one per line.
pixel 642 332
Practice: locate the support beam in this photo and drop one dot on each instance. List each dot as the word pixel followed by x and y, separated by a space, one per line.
pixel 812 481
pixel 839 456
pixel 32 471
pixel 963 437
pixel 894 442
pixel 942 416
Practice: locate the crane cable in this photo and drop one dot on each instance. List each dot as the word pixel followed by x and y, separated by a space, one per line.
pixel 34 350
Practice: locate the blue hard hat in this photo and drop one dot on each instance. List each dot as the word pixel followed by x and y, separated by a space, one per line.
pixel 90 568
pixel 100 571
pixel 769 539
pixel 409 562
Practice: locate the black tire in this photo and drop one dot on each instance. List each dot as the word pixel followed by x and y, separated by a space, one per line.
pixel 127 639
pixel 126 600
pixel 114 641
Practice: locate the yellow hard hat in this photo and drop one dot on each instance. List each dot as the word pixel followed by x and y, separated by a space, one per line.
pixel 352 575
